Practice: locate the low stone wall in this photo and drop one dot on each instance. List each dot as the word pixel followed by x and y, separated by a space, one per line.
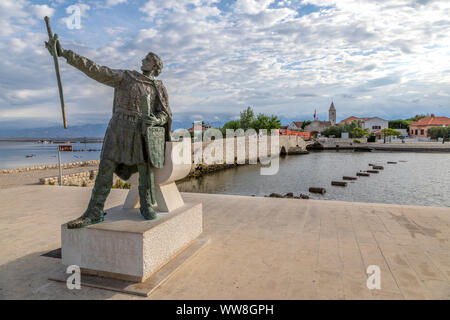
pixel 334 143
pixel 82 179
pixel 87 178
pixel 52 166
pixel 201 169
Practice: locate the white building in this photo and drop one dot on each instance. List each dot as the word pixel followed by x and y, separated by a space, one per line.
pixel 375 124
pixel 372 123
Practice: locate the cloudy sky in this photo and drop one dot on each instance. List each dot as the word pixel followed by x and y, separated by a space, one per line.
pixel 387 58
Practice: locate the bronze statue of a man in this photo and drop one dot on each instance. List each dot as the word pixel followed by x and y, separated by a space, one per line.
pixel 135 138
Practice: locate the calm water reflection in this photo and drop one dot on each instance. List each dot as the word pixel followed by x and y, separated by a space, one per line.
pixel 423 180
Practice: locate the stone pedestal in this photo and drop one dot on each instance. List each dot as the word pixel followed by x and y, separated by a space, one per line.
pixel 127 247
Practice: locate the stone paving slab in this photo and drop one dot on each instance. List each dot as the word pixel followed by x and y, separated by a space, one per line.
pixel 261 248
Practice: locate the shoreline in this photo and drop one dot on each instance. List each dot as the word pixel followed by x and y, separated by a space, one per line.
pixel 83 174
pixel 65 165
pixel 423 147
pixel 56 140
pixel 413 148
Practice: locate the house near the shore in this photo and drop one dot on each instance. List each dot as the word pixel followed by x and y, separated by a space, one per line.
pixel 295 125
pixel 317 126
pixel 374 124
pixel 420 127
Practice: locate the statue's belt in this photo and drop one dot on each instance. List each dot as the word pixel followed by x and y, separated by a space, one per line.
pixel 135 118
pixel 131 116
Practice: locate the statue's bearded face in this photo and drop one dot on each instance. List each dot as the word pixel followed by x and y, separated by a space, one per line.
pixel 148 64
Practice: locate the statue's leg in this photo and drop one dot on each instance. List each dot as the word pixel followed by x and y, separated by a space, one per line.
pixel 145 189
pixel 103 183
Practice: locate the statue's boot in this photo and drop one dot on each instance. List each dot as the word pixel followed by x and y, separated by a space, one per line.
pixel 146 209
pixel 93 214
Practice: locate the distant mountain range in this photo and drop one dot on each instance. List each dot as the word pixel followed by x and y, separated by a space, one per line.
pixel 88 130
pixel 92 130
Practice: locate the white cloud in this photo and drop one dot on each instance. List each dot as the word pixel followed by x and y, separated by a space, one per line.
pixel 252 6
pixel 372 57
pixel 11 10
pixel 114 30
pixel 17 45
pixel 40 11
pixel 111 3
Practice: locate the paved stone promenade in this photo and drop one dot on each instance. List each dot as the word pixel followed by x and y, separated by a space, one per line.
pixel 261 248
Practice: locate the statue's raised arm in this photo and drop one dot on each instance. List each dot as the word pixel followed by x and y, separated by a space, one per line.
pixel 103 74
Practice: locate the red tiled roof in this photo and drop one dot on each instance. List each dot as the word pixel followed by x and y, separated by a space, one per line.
pixel 351 119
pixel 197 128
pixel 298 124
pixel 431 121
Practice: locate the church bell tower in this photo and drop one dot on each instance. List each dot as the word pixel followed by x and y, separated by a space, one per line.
pixel 332 114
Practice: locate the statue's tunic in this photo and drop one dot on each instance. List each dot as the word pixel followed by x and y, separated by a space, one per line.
pixel 123 141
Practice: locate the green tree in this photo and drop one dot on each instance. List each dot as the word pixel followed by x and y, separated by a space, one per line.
pixel 439 132
pixel 263 121
pixel 399 124
pixel 233 124
pixel 388 132
pixel 349 127
pixel 247 116
pixel 412 119
pixel 248 120
pixel 305 123
pixel 332 131
pixel 360 132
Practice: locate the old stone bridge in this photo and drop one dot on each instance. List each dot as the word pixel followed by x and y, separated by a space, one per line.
pixel 287 145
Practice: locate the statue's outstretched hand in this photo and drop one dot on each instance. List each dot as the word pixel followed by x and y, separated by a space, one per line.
pixel 54 47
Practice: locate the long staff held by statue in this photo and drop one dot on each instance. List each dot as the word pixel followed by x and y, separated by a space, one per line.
pixel 55 60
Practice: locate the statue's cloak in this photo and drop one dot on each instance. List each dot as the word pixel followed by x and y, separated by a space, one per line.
pixel 124 171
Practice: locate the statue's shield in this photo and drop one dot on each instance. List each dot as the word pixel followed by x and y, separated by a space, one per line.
pixel 155 143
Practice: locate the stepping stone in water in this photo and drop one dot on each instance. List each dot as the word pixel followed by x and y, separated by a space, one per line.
pixel 317 190
pixel 363 174
pixel 339 183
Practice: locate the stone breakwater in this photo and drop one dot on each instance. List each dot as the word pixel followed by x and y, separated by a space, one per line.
pixel 87 178
pixel 52 166
pixel 82 179
pixel 201 169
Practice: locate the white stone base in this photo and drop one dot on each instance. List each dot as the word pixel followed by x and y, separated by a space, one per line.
pixel 176 167
pixel 126 246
